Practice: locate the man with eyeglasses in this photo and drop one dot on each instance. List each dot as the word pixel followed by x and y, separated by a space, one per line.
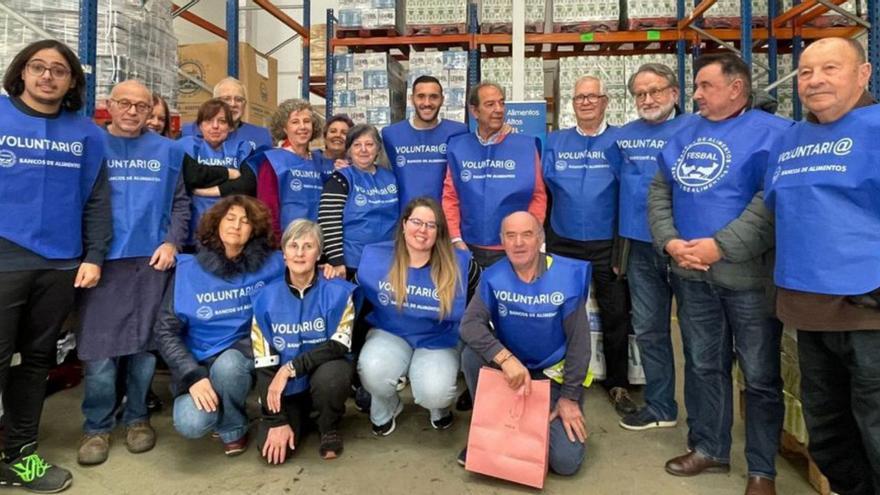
pixel 706 209
pixel 491 174
pixel 581 173
pixel 232 92
pixel 416 148
pixel 54 233
pixel 655 90
pixel 150 219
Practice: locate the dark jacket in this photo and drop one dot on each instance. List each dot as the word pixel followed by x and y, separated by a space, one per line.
pixel 168 331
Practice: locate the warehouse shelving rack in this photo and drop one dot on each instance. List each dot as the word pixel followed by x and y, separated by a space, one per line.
pixel 786 33
pixel 87 49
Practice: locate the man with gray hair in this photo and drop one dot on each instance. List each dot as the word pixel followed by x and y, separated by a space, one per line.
pixel 655 89
pixel 706 209
pixel 151 211
pixel 491 174
pixel 581 171
pixel 499 331
pixel 233 93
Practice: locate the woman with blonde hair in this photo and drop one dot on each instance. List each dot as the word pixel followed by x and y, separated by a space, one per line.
pixel 418 286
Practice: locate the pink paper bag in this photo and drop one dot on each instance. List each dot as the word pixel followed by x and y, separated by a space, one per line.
pixel 509 436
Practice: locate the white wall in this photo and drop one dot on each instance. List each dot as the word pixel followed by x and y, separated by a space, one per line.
pixel 263 32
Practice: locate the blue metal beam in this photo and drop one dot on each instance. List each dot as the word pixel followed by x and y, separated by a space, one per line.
pixel 306 70
pixel 232 37
pixel 874 46
pixel 772 46
pixel 681 53
pixel 88 50
pixel 329 66
pixel 797 44
pixel 473 56
pixel 745 33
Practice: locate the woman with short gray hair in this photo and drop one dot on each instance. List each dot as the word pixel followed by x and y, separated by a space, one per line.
pixel 301 336
pixel 359 204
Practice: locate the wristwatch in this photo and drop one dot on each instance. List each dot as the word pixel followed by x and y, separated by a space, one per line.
pixel 291 369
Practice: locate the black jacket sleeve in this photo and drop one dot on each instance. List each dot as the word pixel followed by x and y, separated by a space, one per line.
pixel 198 176
pixel 167 331
pixel 246 184
pixel 97 221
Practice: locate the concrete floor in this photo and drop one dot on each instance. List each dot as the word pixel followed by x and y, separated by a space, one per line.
pixel 414 460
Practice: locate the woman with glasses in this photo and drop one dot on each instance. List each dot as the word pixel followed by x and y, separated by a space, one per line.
pixel 358 204
pixel 417 286
pixel 214 167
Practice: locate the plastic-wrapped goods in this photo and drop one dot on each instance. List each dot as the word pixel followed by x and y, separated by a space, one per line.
pixel 651 14
pixel 785 91
pixel 436 17
pixel 577 16
pixel 450 68
pixel 495 16
pixel 614 71
pixel 374 88
pixel 500 70
pixel 727 14
pixel 372 14
pixel 135 39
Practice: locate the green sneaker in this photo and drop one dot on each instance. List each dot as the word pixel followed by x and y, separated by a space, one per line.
pixel 33 473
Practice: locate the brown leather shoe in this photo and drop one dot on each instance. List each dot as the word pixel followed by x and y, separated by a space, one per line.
pixel 236 447
pixel 760 486
pixel 694 463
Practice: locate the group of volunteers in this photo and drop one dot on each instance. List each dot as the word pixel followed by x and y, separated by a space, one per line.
pixel 245 259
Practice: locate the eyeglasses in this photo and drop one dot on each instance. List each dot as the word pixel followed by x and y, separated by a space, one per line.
pixel 37 69
pixel 418 224
pixel 653 93
pixel 233 99
pixel 124 105
pixel 590 98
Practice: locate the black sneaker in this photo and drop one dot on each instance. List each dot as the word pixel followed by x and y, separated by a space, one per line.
pixel 644 419
pixel 443 423
pixel 622 402
pixel 462 457
pixel 388 428
pixel 33 473
pixel 362 400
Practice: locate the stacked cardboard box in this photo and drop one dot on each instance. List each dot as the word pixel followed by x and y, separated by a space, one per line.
pixel 727 14
pixel 372 14
pixel 495 16
pixel 436 16
pixel 614 71
pixel 369 87
pixel 135 39
pixel 450 68
pixel 500 70
pixel 650 14
pixel 585 15
pixel 206 62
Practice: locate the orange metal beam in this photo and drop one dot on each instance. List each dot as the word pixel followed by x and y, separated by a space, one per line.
pixel 698 11
pixel 286 19
pixel 440 40
pixel 793 12
pixel 819 10
pixel 200 22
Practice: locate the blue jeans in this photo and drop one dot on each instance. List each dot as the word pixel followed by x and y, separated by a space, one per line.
pixel 432 375
pixel 230 376
pixel 566 456
pixel 716 323
pixel 840 390
pixel 651 294
pixel 99 397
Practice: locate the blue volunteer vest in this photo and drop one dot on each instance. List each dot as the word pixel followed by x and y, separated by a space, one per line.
pixel 418 321
pixel 716 168
pixel 324 164
pixel 528 318
pixel 581 173
pixel 370 211
pixel 300 183
pixel 143 174
pixel 639 144
pixel 256 136
pixel 824 184
pixel 418 157
pixel 48 169
pixel 294 326
pixel 231 154
pixel 216 312
pixel 491 182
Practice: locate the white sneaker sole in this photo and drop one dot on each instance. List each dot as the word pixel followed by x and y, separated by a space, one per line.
pixel 649 426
